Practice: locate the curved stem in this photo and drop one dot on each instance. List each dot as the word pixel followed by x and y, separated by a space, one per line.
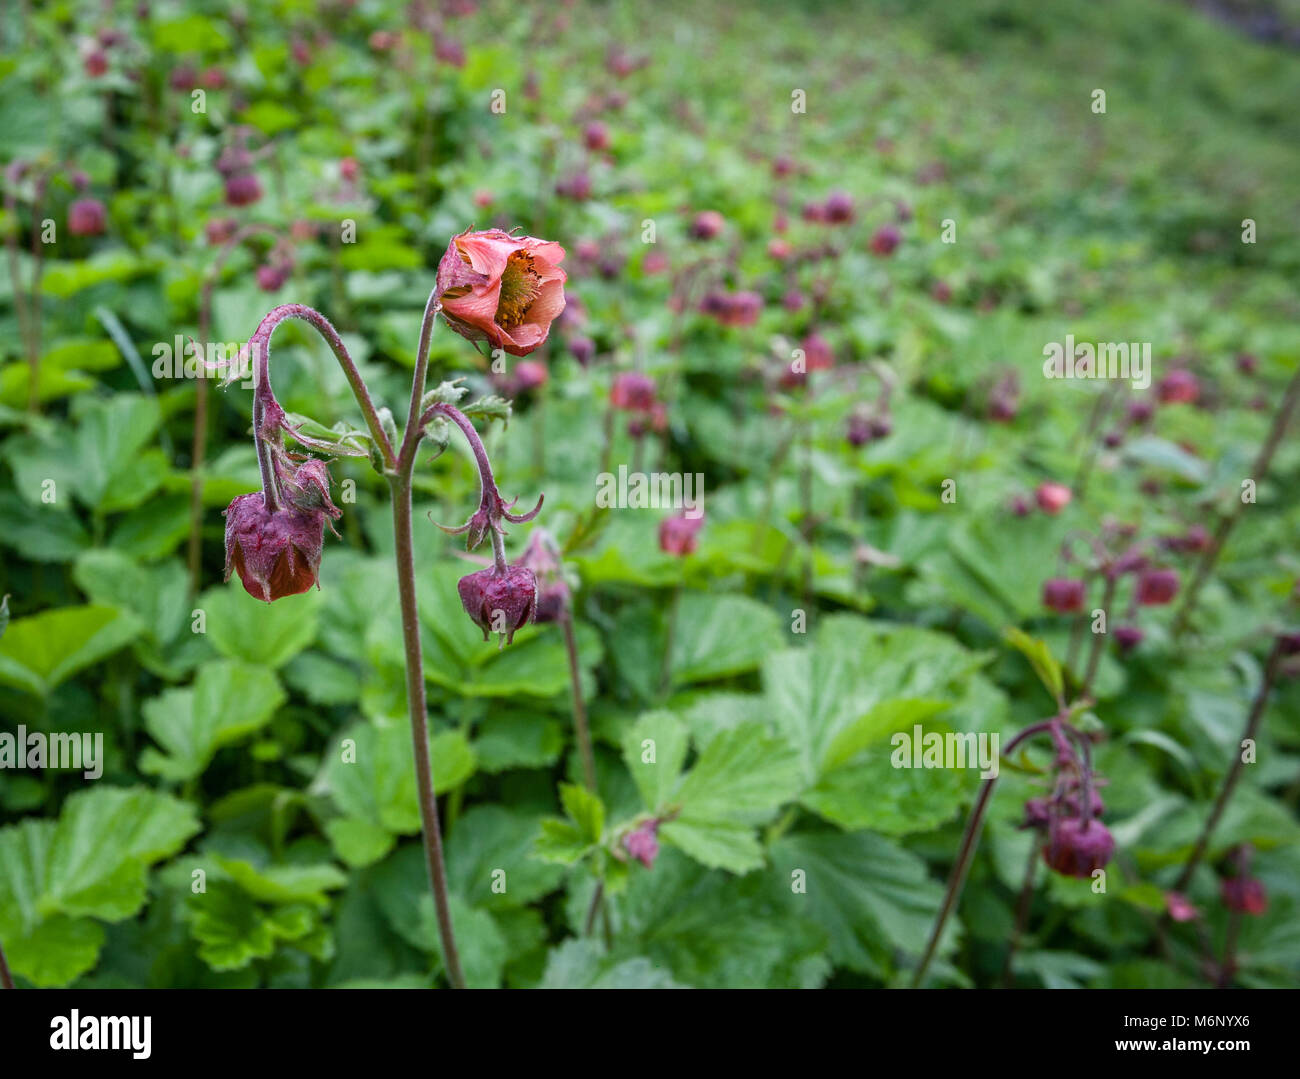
pixel 400 484
pixel 965 853
pixel 411 436
pixel 259 345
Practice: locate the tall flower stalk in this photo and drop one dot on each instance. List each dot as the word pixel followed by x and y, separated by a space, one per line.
pixel 491 286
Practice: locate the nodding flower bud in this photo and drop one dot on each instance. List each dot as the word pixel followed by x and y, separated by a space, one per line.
pixel 1128 638
pixel 595 136
pixel 1178 387
pixel 1077 848
pixel 243 189
pixel 1064 595
pixel 707 224
pixel 271 276
pixel 838 208
pixel 1052 497
pixel 502 289
pixel 86 217
pixel 680 535
pixel 1244 895
pixel 643 843
pixel 278 553
pixel 1156 587
pixel 220 229
pixel 499 602
pixel 633 392
pixel 885 240
pixel 1179 907
pixel 583 350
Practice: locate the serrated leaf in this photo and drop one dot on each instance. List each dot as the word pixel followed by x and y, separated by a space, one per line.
pixel 228 701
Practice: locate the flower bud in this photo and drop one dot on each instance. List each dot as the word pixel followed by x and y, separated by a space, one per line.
pixel 500 602
pixel 632 391
pixel 838 208
pixel 1178 387
pixel 707 224
pixel 1077 848
pixel 1157 587
pixel 1128 638
pixel 86 217
pixel 1244 895
pixel 242 189
pixel 595 136
pixel 643 844
pixel 679 535
pixel 885 240
pixel 275 554
pixel 1052 497
pixel 1064 595
pixel 1180 908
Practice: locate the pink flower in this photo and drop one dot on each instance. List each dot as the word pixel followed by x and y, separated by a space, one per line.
pixel 885 239
pixel 1064 594
pixel 1180 908
pixel 1053 497
pixel 680 535
pixel 349 169
pixel 595 136
pixel 643 844
pixel 1178 387
pixel 632 391
pixel 1245 895
pixel 707 224
pixel 86 217
pixel 502 289
pixel 1157 587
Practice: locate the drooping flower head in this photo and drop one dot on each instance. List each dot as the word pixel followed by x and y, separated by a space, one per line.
pixel 502 289
pixel 499 601
pixel 277 552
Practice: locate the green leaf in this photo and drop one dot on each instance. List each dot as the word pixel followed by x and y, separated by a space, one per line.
pixel 92 862
pixel 506 740
pixel 43 650
pixel 56 952
pixel 358 842
pixel 718 844
pixel 583 964
pixel 271 634
pixel 719 636
pixel 742 774
pixel 228 701
pixel 873 898
pixel 655 750
pixel 280 884
pixel 488 859
pixel 1040 658
pixel 585 809
pixel 370 774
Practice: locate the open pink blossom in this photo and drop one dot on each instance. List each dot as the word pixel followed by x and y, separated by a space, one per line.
pixel 502 289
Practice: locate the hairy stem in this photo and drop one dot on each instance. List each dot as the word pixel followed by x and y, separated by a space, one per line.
pixel 1253 720
pixel 579 706
pixel 966 852
pixel 1211 556
pixel 415 699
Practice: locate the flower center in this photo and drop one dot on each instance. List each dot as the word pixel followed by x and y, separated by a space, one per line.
pixel 520 284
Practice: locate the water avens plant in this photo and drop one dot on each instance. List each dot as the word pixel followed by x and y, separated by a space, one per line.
pixel 492 287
